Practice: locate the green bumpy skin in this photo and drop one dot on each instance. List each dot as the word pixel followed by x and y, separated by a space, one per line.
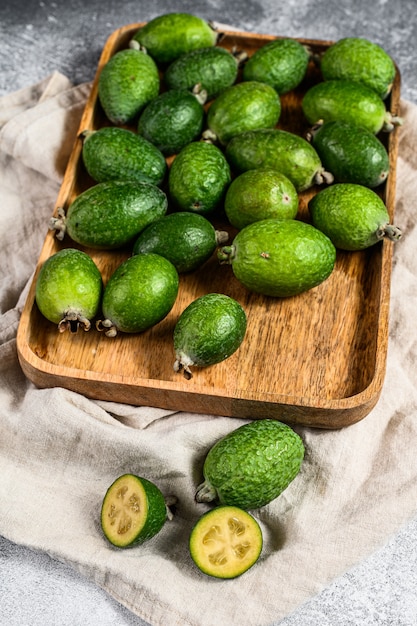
pixel 252 465
pixel 113 153
pixel 360 60
pixel 127 82
pixel 351 153
pixel 354 217
pixel 278 149
pixel 281 63
pixel 208 331
pixel 139 294
pixel 243 107
pixel 168 36
pixel 345 101
pixel 198 178
pixel 172 120
pixel 280 258
pixel 69 289
pixel 212 69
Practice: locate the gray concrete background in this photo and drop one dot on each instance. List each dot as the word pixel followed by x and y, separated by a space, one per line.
pixel 38 37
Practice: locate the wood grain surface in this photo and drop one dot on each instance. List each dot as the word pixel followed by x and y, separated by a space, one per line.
pixel 317 359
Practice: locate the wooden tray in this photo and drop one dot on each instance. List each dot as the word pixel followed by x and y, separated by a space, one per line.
pixel 317 359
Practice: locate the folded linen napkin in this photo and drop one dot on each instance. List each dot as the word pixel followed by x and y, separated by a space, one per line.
pixel 59 451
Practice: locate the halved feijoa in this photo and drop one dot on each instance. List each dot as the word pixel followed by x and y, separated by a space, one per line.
pixel 225 542
pixel 133 511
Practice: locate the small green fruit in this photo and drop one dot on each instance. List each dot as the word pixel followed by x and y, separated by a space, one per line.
pixel 252 465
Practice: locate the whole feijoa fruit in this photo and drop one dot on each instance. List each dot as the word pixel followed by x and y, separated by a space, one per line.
pixel 360 60
pixel 186 239
pixel 354 217
pixel 290 154
pixel 260 194
pixel 127 82
pixel 211 69
pixel 242 107
pixel 209 330
pixel 68 289
pixel 133 511
pixel 139 294
pixel 281 63
pixel 252 465
pixel 110 215
pixel 225 542
pixel 114 153
pixel 170 35
pixel 171 120
pixel 198 178
pixel 351 153
pixel 279 258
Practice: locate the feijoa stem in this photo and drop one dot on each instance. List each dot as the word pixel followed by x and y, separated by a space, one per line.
pixel 205 492
pixel 322 176
pixel 393 233
pixel 58 224
pixel 221 237
pixel 72 320
pixel 183 362
pixel 391 121
pixel 226 254
pixel 106 326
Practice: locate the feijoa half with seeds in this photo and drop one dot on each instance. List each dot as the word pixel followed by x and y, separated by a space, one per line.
pixel 209 330
pixel 133 511
pixel 225 542
pixel 69 289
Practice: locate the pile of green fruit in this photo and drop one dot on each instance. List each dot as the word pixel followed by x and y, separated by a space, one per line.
pixel 193 132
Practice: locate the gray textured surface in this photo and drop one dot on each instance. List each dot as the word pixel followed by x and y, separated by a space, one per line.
pixel 39 37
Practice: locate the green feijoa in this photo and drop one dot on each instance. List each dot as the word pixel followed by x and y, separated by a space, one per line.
pixel 198 178
pixel 281 63
pixel 127 82
pixel 68 289
pixel 279 258
pixel 360 60
pixel 351 153
pixel 139 294
pixel 212 69
pixel 242 107
pixel 171 120
pixel 260 194
pixel 187 239
pixel 209 330
pixel 113 153
pixel 225 542
pixel 252 465
pixel 168 36
pixel 354 217
pixel 133 511
pixel 347 101
pixel 109 215
pixel 281 150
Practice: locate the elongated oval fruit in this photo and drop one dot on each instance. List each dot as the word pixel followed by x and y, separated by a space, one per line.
pixel 281 63
pixel 260 194
pixel 186 239
pixel 347 101
pixel 114 153
pixel 198 178
pixel 279 258
pixel 225 542
pixel 133 511
pixel 69 289
pixel 109 215
pixel 242 107
pixel 211 69
pixel 281 150
pixel 360 60
pixel 252 465
pixel 208 331
pixel 139 294
pixel 354 217
pixel 168 36
pixel 351 153
pixel 172 120
pixel 127 82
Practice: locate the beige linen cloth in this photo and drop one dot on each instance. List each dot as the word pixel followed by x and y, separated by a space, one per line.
pixel 59 451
